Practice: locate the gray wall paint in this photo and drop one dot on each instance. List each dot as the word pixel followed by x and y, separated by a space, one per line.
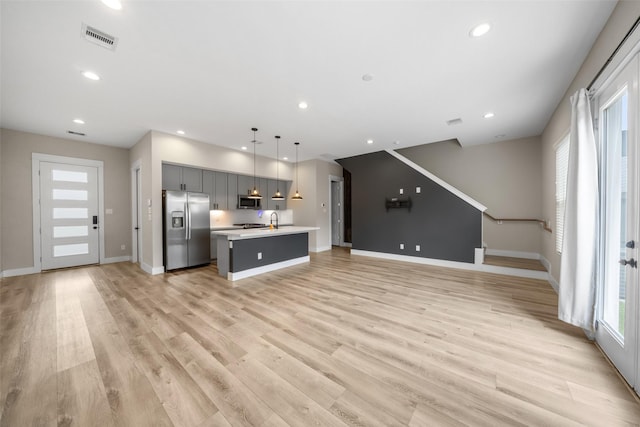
pixel 445 226
pixel 504 176
pixel 244 254
pixel 621 19
pixel 17 200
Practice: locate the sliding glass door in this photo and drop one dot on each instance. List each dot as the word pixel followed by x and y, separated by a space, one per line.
pixel 617 326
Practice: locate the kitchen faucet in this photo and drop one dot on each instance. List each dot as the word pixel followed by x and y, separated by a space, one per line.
pixel 271 220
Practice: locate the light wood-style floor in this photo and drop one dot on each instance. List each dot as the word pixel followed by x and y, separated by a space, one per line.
pixel 523 263
pixel 342 341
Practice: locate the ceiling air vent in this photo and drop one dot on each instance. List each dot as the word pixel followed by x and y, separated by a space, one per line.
pixel 75 133
pixel 454 122
pixel 98 37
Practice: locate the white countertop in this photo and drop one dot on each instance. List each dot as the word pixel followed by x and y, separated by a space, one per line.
pixel 253 233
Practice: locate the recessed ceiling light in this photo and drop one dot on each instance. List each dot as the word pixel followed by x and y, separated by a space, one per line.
pixel 369 141
pixel 367 77
pixel 243 147
pixel 78 121
pixel 488 115
pixel 113 4
pixel 303 105
pixel 480 30
pixel 502 135
pixel 396 142
pixel 91 75
pixel 180 132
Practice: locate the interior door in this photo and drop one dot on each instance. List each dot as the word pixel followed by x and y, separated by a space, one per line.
pixel 617 326
pixel 68 215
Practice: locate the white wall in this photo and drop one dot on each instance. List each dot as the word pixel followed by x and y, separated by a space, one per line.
pixel 315 188
pixel 619 23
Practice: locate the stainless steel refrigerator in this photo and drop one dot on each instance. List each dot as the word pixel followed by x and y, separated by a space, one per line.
pixel 186 229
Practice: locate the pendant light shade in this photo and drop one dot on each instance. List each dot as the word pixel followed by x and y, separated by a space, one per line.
pixel 297 196
pixel 277 195
pixel 254 194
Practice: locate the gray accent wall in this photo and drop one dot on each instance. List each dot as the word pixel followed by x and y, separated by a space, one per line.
pixel 244 254
pixel 443 225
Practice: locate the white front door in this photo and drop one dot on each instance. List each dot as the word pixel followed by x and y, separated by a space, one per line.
pixel 68 215
pixel 617 331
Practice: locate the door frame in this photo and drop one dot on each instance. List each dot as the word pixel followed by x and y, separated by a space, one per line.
pixel 605 339
pixel 136 202
pixel 36 158
pixel 340 181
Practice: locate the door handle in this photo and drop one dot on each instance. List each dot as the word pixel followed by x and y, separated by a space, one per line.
pixel 95 222
pixel 631 244
pixel 631 262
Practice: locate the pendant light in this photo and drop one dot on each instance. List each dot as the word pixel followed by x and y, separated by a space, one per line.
pixel 297 196
pixel 255 194
pixel 277 195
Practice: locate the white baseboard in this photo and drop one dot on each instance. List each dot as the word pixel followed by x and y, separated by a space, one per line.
pixel 20 272
pixel 151 270
pixel 513 254
pixel 346 245
pixel 266 268
pixel 116 259
pixel 530 274
pixel 321 249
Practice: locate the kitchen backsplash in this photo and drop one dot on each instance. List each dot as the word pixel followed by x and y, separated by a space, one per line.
pixel 222 218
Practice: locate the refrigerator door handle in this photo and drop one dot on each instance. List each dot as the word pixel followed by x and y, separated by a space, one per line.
pixel 189 216
pixel 186 221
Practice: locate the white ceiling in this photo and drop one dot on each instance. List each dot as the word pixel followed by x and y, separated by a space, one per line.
pixel 216 69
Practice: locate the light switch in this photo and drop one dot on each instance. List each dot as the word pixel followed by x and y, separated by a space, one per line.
pixel 417 248
pixel 401 191
pixel 108 211
pixel 401 245
pixel 418 190
pixel 259 255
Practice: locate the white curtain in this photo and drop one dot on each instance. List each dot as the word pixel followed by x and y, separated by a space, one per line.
pixel 577 296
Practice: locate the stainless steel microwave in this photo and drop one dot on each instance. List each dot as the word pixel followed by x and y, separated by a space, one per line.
pixel 244 202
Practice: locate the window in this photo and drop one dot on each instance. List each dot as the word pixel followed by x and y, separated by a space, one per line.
pixel 562 165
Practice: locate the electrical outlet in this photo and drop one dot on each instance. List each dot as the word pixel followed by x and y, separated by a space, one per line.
pixel 417 248
pixel 122 247
pixel 259 255
pixel 418 190
pixel 401 245
pixel 402 191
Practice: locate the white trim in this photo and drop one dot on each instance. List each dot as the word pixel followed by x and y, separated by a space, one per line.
pixel 266 268
pixel 478 256
pixel 151 270
pixel 36 158
pixel 321 249
pixel 136 235
pixel 438 181
pixel 622 58
pixel 546 263
pixel 530 274
pixel 513 254
pixel 116 259
pixel 20 272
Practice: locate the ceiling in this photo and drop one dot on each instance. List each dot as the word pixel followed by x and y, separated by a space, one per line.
pixel 217 68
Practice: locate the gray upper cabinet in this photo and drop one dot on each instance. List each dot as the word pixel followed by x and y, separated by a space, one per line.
pixel 273 186
pixel 245 184
pixel 215 185
pixel 232 191
pixel 180 178
pixel 222 198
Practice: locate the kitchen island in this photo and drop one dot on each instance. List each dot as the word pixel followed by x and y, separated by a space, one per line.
pixel 249 252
